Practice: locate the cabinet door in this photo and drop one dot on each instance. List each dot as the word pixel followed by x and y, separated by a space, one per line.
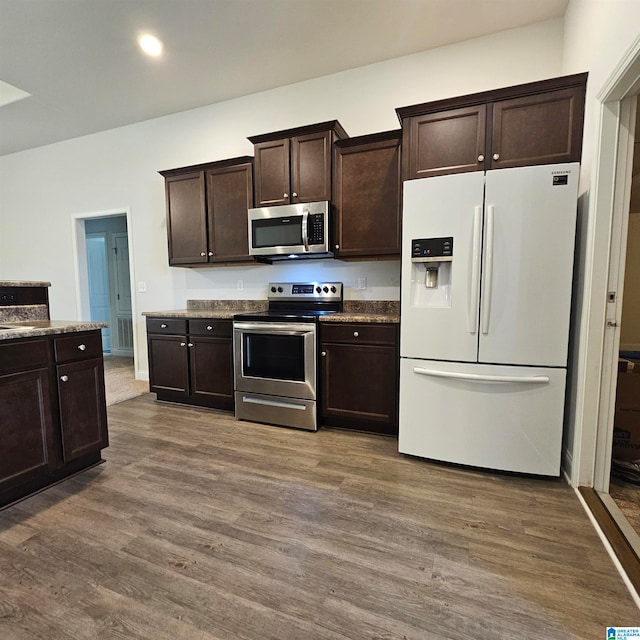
pixel 272 173
pixel 367 199
pixel 211 369
pixel 451 141
pixel 26 427
pixel 186 218
pixel 539 129
pixel 229 195
pixel 311 170
pixel 167 363
pixel 83 412
pixel 360 386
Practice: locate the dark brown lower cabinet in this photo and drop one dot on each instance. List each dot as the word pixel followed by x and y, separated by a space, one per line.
pixel 53 419
pixel 83 417
pixel 194 367
pixel 359 374
pixel 26 427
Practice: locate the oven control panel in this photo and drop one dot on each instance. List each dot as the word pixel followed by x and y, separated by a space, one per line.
pixel 325 291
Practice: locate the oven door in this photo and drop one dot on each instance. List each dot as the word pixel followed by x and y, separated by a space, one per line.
pixel 275 358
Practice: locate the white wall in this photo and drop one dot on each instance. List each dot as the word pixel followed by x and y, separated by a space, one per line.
pixel 41 189
pixel 597 35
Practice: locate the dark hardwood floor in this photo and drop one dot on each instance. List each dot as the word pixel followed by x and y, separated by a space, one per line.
pixel 199 526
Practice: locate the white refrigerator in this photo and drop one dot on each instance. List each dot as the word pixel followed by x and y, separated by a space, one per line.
pixel 487 269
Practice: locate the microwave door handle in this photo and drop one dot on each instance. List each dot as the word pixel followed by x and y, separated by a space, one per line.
pixel 305 229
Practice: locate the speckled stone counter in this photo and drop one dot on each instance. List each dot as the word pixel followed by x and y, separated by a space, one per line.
pixel 24 313
pixel 354 310
pixel 23 283
pixel 221 309
pixel 32 328
pixel 366 311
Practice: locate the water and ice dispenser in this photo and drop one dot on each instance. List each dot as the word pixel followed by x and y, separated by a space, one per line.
pixel 431 261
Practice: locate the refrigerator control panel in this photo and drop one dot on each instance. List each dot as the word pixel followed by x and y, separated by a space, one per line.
pixel 432 249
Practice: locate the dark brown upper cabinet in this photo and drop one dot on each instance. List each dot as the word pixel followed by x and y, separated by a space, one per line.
pixel 207 212
pixel 367 196
pixel 294 165
pixel 529 124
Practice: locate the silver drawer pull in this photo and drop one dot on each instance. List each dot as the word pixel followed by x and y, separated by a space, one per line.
pixel 64 378
pixel 163 326
pixel 203 254
pixel 209 327
pixel 323 354
pixel 190 344
pixel 355 334
pixel 496 156
pixel 480 158
pixel 183 344
pixel 82 347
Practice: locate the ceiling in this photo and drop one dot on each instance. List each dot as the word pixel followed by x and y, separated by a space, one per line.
pixel 80 62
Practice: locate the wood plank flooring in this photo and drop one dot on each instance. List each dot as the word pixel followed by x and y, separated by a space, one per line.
pixel 202 527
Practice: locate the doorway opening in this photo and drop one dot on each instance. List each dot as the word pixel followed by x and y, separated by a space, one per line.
pixel 109 282
pixel 612 192
pixel 104 274
pixel 624 485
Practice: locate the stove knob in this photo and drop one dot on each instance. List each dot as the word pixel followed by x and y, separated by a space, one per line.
pixel 333 289
pixel 318 289
pixel 273 289
pixel 325 289
pixel 280 289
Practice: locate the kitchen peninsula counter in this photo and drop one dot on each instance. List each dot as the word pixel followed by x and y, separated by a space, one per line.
pixel 35 328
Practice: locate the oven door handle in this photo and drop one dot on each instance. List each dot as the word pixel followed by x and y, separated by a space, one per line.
pixel 282 328
pixel 305 229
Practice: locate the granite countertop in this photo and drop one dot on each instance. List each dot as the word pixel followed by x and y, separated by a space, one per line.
pixel 354 310
pixel 23 283
pixel 33 328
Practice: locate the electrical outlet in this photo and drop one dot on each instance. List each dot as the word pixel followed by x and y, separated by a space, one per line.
pixel 240 285
pixel 362 282
pixel 142 286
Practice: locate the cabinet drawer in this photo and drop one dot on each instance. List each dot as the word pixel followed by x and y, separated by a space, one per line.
pixel 78 346
pixel 360 333
pixel 207 327
pixel 22 355
pixel 167 325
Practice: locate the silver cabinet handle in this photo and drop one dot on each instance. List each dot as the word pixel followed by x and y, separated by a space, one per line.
pixel 209 327
pixel 190 344
pixel 163 326
pixel 294 194
pixel 355 334
pixel 182 344
pixel 337 246
pixel 480 158
pixel 64 378
pixel 82 347
pixel 203 253
pixel 323 354
pixel 496 156
pixel 285 195
pixel 210 253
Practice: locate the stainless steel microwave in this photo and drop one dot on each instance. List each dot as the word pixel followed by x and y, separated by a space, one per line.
pixel 290 231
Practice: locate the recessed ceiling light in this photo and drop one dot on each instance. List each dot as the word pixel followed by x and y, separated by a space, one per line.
pixel 150 45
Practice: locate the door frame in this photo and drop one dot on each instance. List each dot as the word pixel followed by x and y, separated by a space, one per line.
pixel 613 313
pixel 79 243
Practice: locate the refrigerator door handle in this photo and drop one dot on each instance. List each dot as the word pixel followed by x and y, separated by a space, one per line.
pixel 474 290
pixel 479 377
pixel 487 274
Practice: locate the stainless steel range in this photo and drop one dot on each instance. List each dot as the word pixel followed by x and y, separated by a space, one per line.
pixel 275 354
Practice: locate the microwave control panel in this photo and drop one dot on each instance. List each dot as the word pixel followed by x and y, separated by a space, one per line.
pixel 316 228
